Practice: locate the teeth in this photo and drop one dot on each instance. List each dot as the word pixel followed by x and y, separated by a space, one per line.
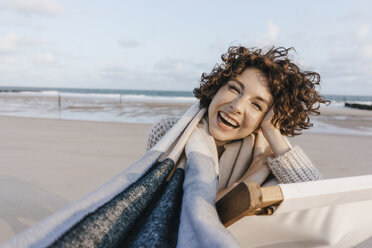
pixel 229 120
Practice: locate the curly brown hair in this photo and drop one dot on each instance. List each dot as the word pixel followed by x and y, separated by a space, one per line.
pixel 294 91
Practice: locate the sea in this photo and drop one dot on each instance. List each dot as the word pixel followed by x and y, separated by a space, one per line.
pixel 117 105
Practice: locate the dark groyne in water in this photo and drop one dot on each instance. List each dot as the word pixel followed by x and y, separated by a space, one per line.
pixel 358 105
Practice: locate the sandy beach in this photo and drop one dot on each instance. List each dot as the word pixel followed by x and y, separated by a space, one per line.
pixel 47 163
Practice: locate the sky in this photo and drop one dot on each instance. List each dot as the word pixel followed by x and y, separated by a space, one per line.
pixel 167 45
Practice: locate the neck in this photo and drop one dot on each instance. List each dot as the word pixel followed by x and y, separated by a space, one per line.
pixel 220 147
pixel 220 150
pixel 220 143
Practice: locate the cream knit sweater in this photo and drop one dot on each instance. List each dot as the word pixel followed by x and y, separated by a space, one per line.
pixel 291 167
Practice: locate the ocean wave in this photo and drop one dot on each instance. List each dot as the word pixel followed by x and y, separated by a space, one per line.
pixel 96 97
pixel 29 93
pixel 144 98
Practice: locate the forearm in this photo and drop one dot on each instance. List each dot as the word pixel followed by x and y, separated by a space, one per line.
pixel 276 140
pixel 288 165
pixel 293 166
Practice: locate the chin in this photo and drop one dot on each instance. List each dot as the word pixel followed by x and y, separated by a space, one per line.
pixel 218 136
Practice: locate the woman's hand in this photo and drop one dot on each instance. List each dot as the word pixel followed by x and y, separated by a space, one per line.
pixel 257 172
pixel 273 135
pixel 266 121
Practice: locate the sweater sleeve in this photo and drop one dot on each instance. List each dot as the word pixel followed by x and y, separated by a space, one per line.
pixel 293 167
pixel 159 129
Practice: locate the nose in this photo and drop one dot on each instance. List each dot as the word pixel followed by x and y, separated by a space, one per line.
pixel 238 106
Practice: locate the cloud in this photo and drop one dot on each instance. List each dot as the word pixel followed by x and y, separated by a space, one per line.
pixel 348 71
pixel 47 59
pixel 9 43
pixel 166 74
pixel 343 58
pixel 272 31
pixel 9 60
pixel 35 7
pixel 363 42
pixel 271 34
pixel 114 70
pixel 179 68
pixel 351 16
pixel 129 43
pixel 362 31
pixel 13 43
pixel 171 65
pixel 219 43
pixel 366 51
pixel 120 75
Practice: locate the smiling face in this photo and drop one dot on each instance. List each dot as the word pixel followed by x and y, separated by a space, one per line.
pixel 239 106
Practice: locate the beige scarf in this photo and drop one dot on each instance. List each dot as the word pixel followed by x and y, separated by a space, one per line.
pixel 234 165
pixel 236 160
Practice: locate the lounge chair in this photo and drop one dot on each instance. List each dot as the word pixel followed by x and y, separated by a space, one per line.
pixel 326 213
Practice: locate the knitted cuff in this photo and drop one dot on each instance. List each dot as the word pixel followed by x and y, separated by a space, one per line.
pixel 293 166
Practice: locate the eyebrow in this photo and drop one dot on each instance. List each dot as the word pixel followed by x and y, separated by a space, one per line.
pixel 258 97
pixel 237 81
pixel 263 100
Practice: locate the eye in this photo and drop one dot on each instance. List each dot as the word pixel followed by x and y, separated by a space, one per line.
pixel 234 88
pixel 258 106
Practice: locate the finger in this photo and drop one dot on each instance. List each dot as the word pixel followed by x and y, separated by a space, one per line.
pixel 269 114
pixel 261 145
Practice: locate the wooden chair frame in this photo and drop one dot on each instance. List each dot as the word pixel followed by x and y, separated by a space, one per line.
pixel 246 199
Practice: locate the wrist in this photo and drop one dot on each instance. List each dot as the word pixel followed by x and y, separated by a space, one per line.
pixel 275 139
pixel 268 128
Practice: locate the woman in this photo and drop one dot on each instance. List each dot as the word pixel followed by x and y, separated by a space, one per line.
pixel 263 96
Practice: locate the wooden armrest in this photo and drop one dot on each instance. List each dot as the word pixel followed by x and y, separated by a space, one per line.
pixel 247 198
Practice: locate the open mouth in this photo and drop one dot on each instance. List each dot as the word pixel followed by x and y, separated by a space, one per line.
pixel 227 120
